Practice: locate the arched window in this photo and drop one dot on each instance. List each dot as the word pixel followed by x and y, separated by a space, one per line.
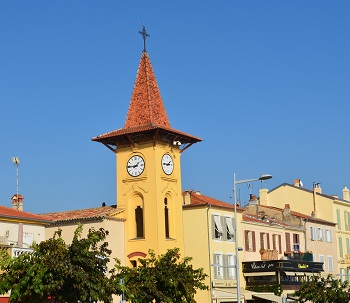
pixel 166 218
pixel 139 222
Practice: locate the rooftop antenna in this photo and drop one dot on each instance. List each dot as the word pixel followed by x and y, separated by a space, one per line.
pixel 16 161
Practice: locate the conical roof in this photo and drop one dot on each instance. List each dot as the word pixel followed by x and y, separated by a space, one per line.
pixel 146 105
pixel 146 118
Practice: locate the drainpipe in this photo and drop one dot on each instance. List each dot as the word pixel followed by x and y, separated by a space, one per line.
pixel 209 252
pixel 305 239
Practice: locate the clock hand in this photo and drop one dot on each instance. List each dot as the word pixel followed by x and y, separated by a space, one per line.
pixel 133 166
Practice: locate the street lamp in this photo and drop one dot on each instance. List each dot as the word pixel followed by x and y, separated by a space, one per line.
pixel 235 182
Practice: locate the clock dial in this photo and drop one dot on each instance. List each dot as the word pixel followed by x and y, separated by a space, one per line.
pixel 135 166
pixel 167 164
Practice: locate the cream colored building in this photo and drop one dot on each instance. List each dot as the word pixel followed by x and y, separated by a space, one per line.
pixel 319 206
pixel 105 217
pixel 19 230
pixel 100 217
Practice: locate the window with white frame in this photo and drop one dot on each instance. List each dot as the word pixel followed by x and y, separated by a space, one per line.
pixel 218 266
pixel 28 239
pixel 320 234
pixel 328 235
pixel 230 231
pixel 217 227
pixel 249 238
pixel 264 241
pixel 330 263
pixel 313 233
pixel 277 242
pixel 231 269
pixel 296 242
pixel 322 261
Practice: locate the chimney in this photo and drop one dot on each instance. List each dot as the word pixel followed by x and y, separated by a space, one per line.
pixel 253 200
pixel 298 183
pixel 317 188
pixel 286 210
pixel 17 202
pixel 346 193
pixel 187 200
pixel 263 199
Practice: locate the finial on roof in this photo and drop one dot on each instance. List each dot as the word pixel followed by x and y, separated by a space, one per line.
pixel 144 35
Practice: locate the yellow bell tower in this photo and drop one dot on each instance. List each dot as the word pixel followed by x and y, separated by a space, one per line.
pixel 148 154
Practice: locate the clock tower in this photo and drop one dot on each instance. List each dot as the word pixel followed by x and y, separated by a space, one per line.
pixel 148 152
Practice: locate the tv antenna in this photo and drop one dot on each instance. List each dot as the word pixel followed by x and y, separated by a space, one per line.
pixel 16 161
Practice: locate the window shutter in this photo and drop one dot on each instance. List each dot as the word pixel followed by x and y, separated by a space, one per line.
pixel 216 263
pixel 346 227
pixel 338 219
pixel 224 228
pixel 262 244
pixel 213 226
pixel 253 240
pixel 225 268
pixel 268 240
pixel 280 244
pixel 330 263
pixel 322 260
pixel 288 242
pixel 340 246
pixel 312 233
pixel 347 246
pixel 246 239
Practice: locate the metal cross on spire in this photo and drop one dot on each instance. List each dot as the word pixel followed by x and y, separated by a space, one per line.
pixel 144 35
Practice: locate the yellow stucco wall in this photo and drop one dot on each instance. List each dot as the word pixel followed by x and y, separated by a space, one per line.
pixel 200 245
pixel 301 200
pixel 149 190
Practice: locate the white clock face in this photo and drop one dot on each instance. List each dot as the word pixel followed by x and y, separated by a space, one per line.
pixel 135 166
pixel 167 164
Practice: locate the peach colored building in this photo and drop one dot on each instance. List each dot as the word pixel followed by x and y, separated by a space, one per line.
pixel 303 233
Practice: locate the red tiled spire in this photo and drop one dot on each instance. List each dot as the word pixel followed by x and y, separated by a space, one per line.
pixel 146 105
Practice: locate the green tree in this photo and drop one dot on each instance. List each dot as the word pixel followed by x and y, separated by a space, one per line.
pixel 68 273
pixel 324 290
pixel 164 279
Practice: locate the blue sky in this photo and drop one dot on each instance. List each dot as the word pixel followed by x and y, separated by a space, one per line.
pixel 265 84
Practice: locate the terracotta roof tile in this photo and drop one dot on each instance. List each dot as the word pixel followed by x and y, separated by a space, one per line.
pixel 199 199
pixel 301 215
pixel 7 212
pixel 146 105
pixel 83 214
pixel 267 222
pixel 146 110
